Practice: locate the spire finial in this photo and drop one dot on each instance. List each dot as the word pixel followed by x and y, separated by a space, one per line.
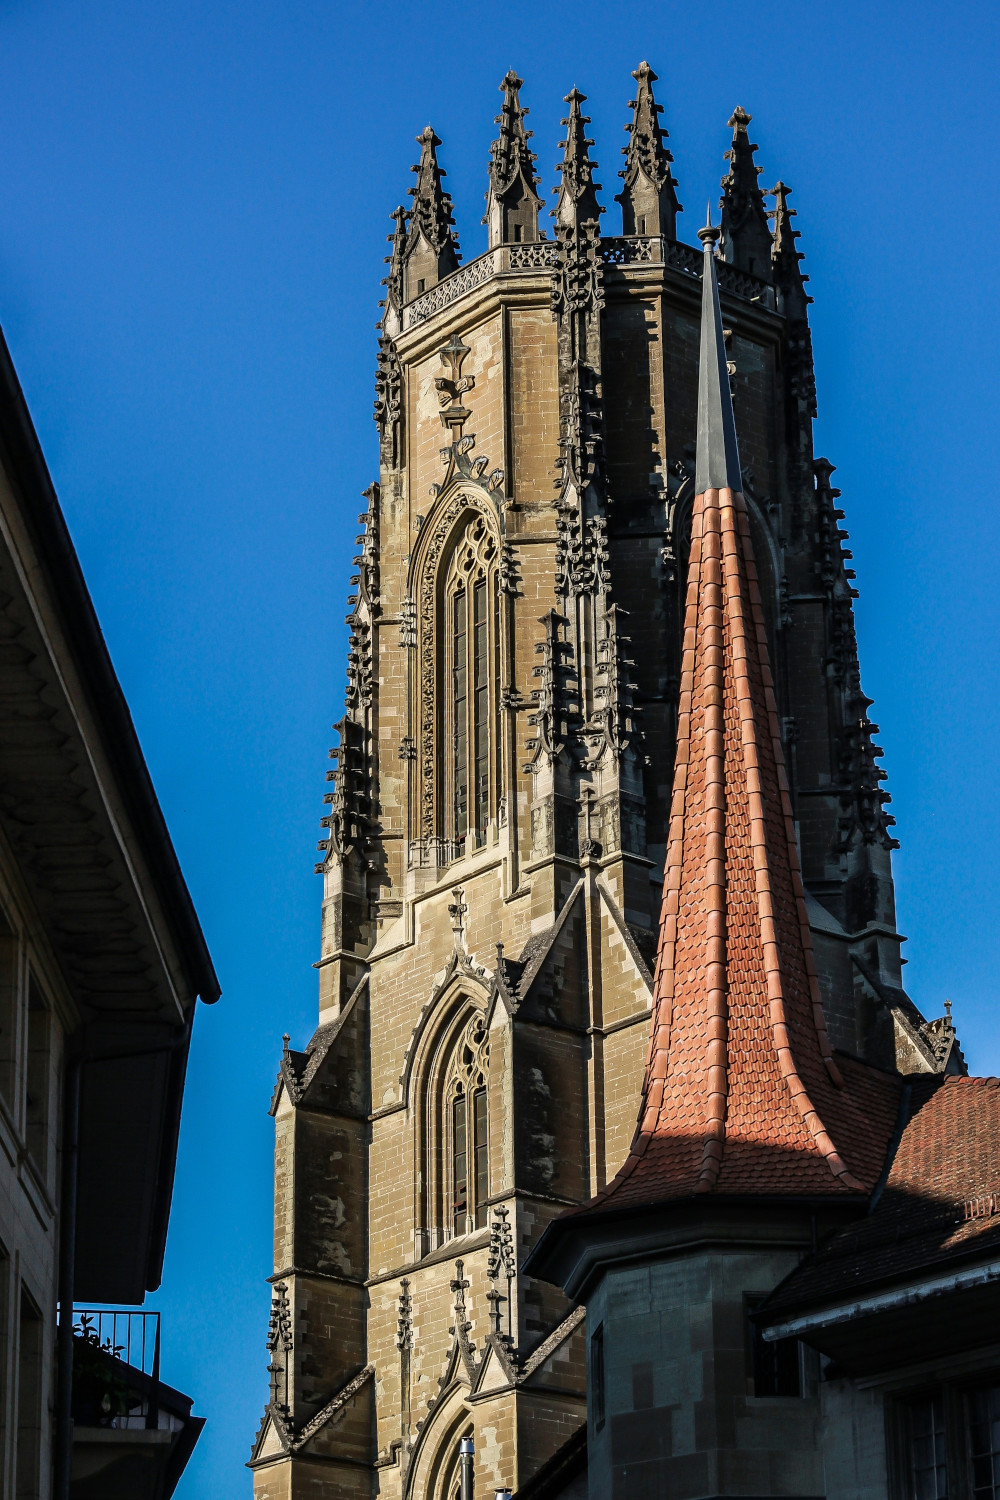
pixel 512 202
pixel 648 199
pixel 709 232
pixel 432 246
pixel 577 202
pixel 746 234
pixel 788 278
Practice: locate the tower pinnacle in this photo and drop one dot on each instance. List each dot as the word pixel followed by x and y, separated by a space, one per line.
pixel 512 202
pixel 648 198
pixel 785 258
pixel 432 248
pixel 577 201
pixel 746 234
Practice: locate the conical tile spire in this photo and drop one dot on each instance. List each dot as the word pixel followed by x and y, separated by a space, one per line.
pixel 432 248
pixel 649 198
pixel 512 203
pixel 741 1094
pixel 577 202
pixel 746 235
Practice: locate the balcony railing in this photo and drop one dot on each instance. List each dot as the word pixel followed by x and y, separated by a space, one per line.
pixel 109 1349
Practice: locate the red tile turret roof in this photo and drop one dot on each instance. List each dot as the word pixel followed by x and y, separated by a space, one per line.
pixel 741 1094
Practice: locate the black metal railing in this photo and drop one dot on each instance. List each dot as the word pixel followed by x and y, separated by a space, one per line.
pixel 116 1368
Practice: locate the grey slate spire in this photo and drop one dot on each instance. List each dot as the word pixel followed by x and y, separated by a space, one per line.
pixel 649 198
pixel 717 466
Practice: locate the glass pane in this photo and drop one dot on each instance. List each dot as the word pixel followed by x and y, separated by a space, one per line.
pixel 481 689
pixel 482 1156
pixel 984 1439
pixel 460 805
pixel 927 1445
pixel 459 1165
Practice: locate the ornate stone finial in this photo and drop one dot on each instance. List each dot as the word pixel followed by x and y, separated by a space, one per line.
pixel 431 245
pixel 788 278
pixel 746 234
pixel 577 201
pixel 947 1013
pixel 404 1317
pixel 279 1344
pixel 459 1285
pixel 649 198
pixel 457 911
pixel 284 1044
pixel 512 202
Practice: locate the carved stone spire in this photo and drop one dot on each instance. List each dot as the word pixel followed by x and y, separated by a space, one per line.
pixel 577 202
pixel 746 234
pixel 648 199
pixel 431 246
pixel 512 203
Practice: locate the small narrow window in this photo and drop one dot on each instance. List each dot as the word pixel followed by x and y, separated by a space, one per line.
pixel 460 1163
pixel 29 1401
pixel 482 1156
pixel 420 285
pixel 38 1077
pixel 640 227
pixel 517 234
pixel 8 1013
pixel 597 1376
pixel 775 1365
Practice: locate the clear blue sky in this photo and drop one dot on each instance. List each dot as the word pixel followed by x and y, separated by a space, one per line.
pixel 193 203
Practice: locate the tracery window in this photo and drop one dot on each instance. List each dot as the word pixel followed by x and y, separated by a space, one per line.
pixel 467 1129
pixel 469 764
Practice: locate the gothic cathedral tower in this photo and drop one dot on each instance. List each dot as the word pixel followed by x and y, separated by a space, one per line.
pixel 497 816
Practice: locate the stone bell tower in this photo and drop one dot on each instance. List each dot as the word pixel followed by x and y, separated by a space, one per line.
pixel 496 819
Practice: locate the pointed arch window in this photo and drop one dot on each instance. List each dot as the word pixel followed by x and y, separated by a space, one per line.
pixel 467 1130
pixel 469 764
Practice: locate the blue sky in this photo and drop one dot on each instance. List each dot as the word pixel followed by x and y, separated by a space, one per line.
pixel 193 203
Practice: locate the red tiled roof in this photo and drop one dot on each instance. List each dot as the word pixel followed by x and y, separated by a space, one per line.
pixel 741 1094
pixel 940 1204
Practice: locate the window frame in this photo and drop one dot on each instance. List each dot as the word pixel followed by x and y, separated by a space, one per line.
pixel 469 784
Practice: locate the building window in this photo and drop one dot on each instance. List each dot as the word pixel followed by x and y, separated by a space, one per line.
pixel 8 1013
pixel 597 1376
pixel 927 1448
pixel 470 687
pixel 947 1443
pixel 27 1463
pixel 468 1124
pixel 775 1365
pixel 38 1077
pixel 984 1442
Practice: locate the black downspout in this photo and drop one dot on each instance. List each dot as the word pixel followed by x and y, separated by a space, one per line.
pixel 67 1266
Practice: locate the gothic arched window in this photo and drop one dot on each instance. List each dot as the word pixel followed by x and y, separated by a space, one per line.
pixel 466 1129
pixel 470 670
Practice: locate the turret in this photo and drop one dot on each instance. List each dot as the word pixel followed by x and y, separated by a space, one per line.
pixel 648 198
pixel 793 300
pixel 431 245
pixel 746 235
pixel 512 203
